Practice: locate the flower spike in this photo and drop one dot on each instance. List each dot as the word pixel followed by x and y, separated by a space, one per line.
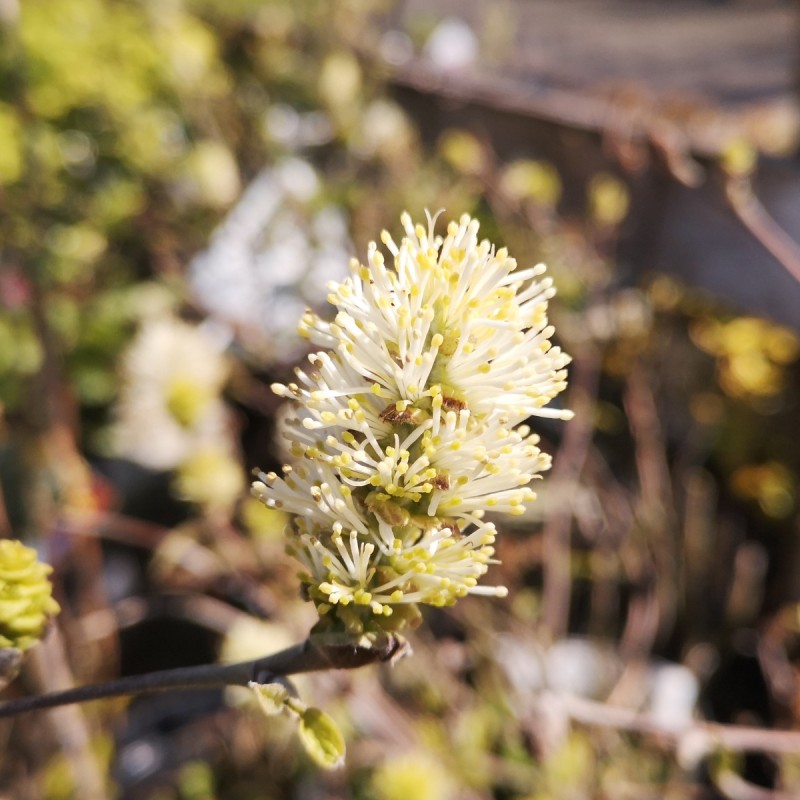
pixel 410 426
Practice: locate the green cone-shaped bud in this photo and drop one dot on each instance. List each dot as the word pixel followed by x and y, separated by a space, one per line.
pixel 26 595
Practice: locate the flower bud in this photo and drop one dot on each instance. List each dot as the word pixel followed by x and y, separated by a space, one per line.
pixel 26 599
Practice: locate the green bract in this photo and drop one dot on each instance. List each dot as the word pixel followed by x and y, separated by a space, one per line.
pixel 319 734
pixel 271 697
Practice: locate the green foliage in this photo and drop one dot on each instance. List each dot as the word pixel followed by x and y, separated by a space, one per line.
pixel 115 154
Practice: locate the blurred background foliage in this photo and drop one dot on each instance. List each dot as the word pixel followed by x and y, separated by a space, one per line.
pixel 658 570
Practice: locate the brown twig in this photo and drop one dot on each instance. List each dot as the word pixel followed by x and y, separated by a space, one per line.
pixel 735 787
pixel 705 736
pixel 578 110
pixel 5 525
pixel 656 507
pixel 754 216
pixel 569 463
pixel 48 665
pixel 304 657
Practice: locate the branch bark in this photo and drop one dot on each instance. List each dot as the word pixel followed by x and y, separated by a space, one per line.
pixel 754 216
pixel 303 657
pixel 698 735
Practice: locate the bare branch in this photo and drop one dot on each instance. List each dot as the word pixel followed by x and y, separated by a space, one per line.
pixel 705 737
pixel 304 657
pixel 569 463
pixel 758 221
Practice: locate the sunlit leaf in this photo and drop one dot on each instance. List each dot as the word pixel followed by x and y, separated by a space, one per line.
pixel 322 739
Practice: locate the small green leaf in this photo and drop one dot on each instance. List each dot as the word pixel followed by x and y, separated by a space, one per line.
pixel 272 697
pixel 322 738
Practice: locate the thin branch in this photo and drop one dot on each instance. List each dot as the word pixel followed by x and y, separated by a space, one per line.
pixel 704 736
pixel 735 787
pixel 48 664
pixel 569 463
pixel 304 657
pixel 751 213
pixel 655 510
pixel 643 120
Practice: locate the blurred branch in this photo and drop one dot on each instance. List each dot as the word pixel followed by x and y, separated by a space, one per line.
pixel 5 525
pixel 632 119
pixel 208 612
pixel 773 658
pixel 50 388
pixel 48 666
pixel 304 657
pixel 569 464
pixel 654 569
pixel 655 508
pixel 735 787
pixel 754 216
pixel 651 458
pixel 696 738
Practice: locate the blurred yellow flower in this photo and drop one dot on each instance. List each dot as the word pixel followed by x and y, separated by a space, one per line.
pixel 771 485
pixel 262 522
pixel 11 161
pixel 210 478
pixel 739 157
pixel 463 152
pixel 751 353
pixel 532 180
pixel 609 200
pixel 409 775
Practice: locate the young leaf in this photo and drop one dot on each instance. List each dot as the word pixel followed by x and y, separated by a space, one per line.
pixel 322 738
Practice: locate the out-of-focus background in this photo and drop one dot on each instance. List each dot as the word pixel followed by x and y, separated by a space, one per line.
pixel 179 179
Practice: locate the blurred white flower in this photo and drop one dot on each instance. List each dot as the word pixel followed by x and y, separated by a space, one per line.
pixel 271 258
pixel 674 691
pixel 170 405
pixel 453 45
pixel 396 48
pixel 410 426
pixel 385 131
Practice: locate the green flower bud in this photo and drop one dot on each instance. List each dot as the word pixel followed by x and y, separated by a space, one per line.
pixel 26 599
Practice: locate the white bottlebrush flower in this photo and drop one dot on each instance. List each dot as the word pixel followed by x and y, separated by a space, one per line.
pixel 410 426
pixel 170 405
